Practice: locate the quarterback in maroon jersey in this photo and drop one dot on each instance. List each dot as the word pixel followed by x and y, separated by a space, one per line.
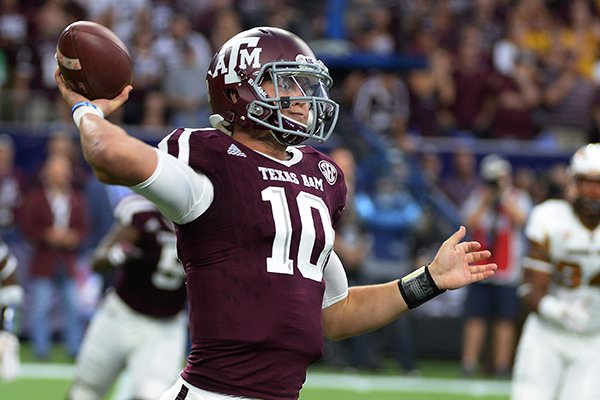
pixel 255 212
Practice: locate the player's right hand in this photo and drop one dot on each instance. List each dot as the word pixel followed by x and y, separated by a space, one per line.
pixel 10 362
pixel 106 105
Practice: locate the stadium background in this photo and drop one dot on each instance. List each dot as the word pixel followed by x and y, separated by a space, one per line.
pixel 357 39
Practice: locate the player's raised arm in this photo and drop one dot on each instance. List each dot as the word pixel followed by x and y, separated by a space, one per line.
pixel 114 156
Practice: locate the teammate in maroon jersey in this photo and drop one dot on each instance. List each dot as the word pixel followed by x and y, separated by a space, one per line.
pixel 140 325
pixel 255 213
pixel 11 297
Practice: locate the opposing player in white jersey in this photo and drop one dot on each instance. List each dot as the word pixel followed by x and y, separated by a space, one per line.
pixel 11 297
pixel 140 325
pixel 558 357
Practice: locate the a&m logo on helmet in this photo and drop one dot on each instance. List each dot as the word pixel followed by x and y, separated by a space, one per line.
pixel 244 52
pixel 329 171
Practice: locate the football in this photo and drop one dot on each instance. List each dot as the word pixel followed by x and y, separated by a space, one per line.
pixel 93 60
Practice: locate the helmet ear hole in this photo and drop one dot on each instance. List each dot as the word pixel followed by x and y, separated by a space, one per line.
pixel 232 95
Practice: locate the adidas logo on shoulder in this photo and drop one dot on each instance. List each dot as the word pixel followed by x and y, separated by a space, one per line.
pixel 235 151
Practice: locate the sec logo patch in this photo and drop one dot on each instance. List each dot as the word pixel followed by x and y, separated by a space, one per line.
pixel 329 171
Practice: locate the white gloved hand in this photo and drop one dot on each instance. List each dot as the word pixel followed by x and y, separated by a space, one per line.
pixel 573 316
pixel 10 362
pixel 591 302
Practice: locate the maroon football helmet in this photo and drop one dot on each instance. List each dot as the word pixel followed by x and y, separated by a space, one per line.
pixel 255 56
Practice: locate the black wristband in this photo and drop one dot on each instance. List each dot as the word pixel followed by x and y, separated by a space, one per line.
pixel 418 287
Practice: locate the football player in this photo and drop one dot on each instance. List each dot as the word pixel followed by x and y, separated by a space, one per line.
pixel 254 213
pixel 558 356
pixel 140 324
pixel 11 297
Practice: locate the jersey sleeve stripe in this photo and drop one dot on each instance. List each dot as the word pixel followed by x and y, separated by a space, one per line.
pixel 163 145
pixel 184 146
pixel 177 143
pixel 537 265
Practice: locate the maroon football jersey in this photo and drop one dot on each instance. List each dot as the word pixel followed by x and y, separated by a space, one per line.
pixel 153 283
pixel 254 264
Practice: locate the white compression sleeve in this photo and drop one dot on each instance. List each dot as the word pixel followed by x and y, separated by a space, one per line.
pixel 180 193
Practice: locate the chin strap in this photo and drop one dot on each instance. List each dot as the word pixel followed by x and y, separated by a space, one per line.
pixel 218 122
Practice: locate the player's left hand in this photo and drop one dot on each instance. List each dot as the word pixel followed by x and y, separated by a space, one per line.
pixel 452 266
pixel 106 105
pixel 10 362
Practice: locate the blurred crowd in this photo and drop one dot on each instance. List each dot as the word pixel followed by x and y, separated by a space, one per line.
pixel 491 69
pixel 511 69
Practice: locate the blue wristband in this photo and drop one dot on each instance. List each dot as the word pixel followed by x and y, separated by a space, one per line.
pixel 84 104
pixel 84 107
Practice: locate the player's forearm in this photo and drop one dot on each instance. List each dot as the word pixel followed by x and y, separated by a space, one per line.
pixel 537 275
pixel 114 156
pixel 365 309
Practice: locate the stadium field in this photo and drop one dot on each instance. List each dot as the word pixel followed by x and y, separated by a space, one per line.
pixel 50 382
